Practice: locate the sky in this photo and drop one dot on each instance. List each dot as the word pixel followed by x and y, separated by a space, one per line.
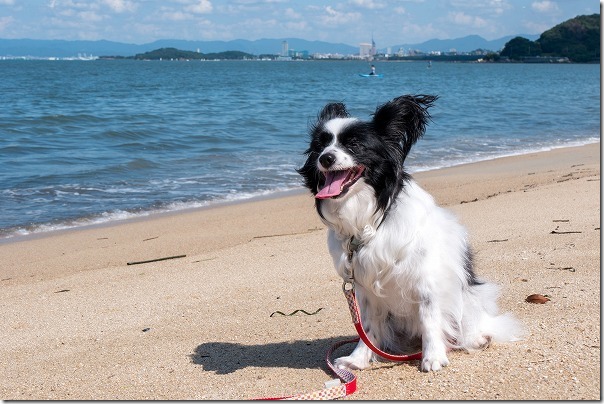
pixel 390 22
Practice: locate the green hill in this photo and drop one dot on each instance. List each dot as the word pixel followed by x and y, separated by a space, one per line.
pixel 173 53
pixel 578 39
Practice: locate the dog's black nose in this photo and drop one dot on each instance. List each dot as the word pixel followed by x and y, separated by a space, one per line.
pixel 327 160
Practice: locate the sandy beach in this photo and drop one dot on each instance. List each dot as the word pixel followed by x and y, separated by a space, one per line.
pixel 79 323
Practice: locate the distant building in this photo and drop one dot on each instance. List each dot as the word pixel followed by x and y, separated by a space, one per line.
pixel 365 51
pixel 298 54
pixel 284 48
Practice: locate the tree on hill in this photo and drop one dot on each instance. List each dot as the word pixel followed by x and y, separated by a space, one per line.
pixel 173 53
pixel 520 47
pixel 228 55
pixel 168 53
pixel 578 39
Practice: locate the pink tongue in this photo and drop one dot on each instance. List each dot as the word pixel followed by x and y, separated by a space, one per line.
pixel 333 184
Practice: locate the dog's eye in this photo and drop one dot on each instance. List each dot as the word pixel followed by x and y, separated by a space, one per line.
pixel 350 143
pixel 325 138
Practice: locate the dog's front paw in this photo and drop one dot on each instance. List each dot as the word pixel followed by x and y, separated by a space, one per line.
pixel 433 361
pixel 352 362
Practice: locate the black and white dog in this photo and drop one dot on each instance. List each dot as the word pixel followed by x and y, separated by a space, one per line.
pixel 411 259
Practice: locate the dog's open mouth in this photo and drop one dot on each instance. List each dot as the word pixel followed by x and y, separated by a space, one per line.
pixel 337 182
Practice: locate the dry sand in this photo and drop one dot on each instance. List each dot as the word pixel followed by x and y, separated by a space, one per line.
pixel 78 323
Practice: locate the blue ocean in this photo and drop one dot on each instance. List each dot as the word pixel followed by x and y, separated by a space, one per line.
pixel 85 142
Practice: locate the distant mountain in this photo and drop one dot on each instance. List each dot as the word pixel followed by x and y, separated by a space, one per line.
pixel 257 47
pixel 61 48
pixel 465 44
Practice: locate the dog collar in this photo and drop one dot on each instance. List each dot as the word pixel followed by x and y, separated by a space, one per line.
pixel 354 245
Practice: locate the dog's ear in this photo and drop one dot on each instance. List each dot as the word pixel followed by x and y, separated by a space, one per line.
pixel 333 110
pixel 403 120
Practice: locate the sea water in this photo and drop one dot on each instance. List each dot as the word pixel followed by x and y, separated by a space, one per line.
pixel 84 142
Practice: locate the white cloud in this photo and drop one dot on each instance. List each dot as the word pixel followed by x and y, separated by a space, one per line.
pixel 249 7
pixel 120 6
pixel 421 32
pixel 200 7
pixel 499 6
pixel 7 2
pixel 78 5
pixel 259 2
pixel 461 18
pixel 300 26
pixel 293 14
pixel 483 6
pixel 369 4
pixel 335 17
pixel 544 6
pixel 258 23
pixel 176 16
pixel 90 16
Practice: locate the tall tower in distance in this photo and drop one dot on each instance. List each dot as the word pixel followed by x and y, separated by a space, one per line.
pixel 372 51
pixel 367 50
pixel 284 49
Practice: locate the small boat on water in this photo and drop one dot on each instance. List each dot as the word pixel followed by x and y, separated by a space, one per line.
pixel 371 75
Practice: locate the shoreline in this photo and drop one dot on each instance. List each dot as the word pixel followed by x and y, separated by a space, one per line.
pixel 21 234
pixel 82 324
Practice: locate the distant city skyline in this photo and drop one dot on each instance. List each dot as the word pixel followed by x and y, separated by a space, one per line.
pixel 388 22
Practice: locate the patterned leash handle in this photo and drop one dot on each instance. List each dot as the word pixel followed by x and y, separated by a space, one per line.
pixel 345 387
pixel 348 380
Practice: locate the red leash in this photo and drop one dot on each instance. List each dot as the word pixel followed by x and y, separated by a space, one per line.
pixel 348 381
pixel 348 289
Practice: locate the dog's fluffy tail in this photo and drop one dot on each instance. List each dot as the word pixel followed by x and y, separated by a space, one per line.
pixel 482 321
pixel 503 328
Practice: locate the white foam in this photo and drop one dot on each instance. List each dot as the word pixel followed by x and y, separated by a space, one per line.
pixel 122 215
pixel 235 196
pixel 478 158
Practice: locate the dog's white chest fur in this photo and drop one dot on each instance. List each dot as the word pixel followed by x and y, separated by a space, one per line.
pixel 390 252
